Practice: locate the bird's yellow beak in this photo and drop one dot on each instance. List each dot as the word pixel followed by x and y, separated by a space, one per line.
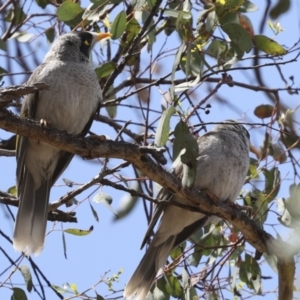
pixel 102 35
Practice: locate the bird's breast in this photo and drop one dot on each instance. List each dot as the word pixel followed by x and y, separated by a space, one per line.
pixel 73 97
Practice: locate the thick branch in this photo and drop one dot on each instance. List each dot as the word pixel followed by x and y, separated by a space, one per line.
pixel 93 147
pixel 13 92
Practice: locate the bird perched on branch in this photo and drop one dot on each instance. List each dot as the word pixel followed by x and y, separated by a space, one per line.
pixel 222 165
pixel 69 105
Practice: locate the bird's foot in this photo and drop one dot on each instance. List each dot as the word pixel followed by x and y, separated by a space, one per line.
pixel 211 196
pixel 45 123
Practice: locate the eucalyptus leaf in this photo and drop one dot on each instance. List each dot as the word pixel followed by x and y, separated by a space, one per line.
pixel 18 294
pixel 238 36
pixel 163 128
pixel 27 277
pixel 106 200
pixel 79 232
pixel 268 45
pixel 68 11
pixel 119 25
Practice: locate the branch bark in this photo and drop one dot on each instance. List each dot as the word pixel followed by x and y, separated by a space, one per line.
pixel 95 147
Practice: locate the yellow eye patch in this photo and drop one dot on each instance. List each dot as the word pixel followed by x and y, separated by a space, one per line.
pixel 86 42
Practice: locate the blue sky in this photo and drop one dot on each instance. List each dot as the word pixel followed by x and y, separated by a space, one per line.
pixel 115 245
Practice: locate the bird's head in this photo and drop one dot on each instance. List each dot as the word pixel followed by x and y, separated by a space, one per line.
pixel 75 46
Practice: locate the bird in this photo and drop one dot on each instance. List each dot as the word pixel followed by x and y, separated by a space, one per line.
pixel 221 168
pixel 68 105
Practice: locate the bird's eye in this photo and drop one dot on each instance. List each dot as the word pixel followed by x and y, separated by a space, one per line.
pixel 87 43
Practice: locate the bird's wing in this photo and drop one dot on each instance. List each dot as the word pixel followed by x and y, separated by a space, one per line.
pixel 28 111
pixel 165 196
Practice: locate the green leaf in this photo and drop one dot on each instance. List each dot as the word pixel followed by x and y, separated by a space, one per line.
pixel 253 172
pixel 250 273
pixel 138 4
pixel 247 7
pixel 291 208
pixel 264 111
pixel 68 11
pixel 112 109
pixel 27 277
pixel 177 251
pixel 132 29
pixel 50 34
pixel 282 6
pixel 119 25
pixel 42 3
pixel 232 5
pixel 272 261
pixel 3 47
pixel 181 87
pixel 278 152
pixel 238 36
pixel 94 212
pixel 12 190
pixel 228 6
pixel 64 245
pixel 58 289
pixel 192 63
pixel 127 203
pixel 272 183
pixel 15 15
pixel 22 36
pixel 217 48
pixel 106 200
pixel 174 287
pixel 73 287
pixel 259 201
pixel 173 13
pixel 177 60
pixel 68 182
pixel 98 297
pixel 18 294
pixel 184 26
pixel 94 10
pixel 163 128
pixel 169 26
pixel 268 45
pixel 79 232
pixel 190 293
pixel 151 33
pixel 185 277
pixel 160 291
pixel 105 69
pixel 151 3
pixel 185 151
pixel 211 22
pixel 230 18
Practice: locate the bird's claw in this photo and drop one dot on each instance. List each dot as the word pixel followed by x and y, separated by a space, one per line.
pixel 44 123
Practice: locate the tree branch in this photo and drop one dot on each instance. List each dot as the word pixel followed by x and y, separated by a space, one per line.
pixel 94 147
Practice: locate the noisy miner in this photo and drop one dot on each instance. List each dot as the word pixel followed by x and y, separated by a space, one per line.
pixel 69 105
pixel 222 165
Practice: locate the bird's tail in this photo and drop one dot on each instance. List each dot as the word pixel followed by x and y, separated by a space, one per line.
pixel 143 277
pixel 31 221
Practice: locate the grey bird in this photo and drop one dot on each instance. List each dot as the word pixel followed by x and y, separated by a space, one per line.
pixel 69 105
pixel 222 165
